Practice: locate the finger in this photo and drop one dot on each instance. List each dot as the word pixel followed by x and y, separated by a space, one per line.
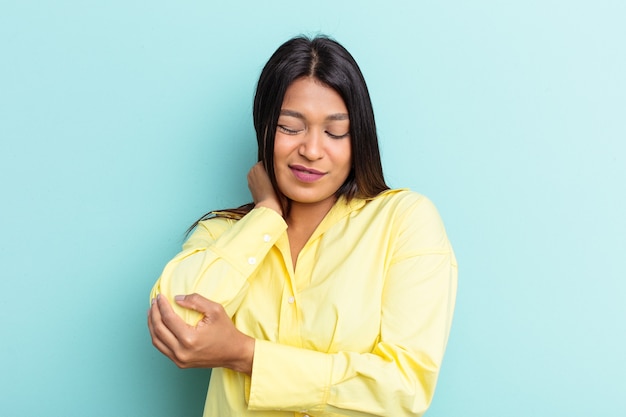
pixel 200 304
pixel 259 166
pixel 162 335
pixel 180 334
pixel 256 170
pixel 175 347
pixel 165 311
pixel 163 348
pixel 157 328
pixel 157 342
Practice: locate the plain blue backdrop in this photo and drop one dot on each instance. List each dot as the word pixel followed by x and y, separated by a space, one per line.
pixel 123 121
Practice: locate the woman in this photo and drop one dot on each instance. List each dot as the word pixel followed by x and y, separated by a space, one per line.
pixel 330 294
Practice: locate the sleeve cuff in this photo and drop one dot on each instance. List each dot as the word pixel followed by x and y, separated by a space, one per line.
pixel 245 245
pixel 288 378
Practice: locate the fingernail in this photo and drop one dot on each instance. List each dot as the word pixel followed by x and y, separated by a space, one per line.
pixel 152 301
pixel 158 297
pixel 179 297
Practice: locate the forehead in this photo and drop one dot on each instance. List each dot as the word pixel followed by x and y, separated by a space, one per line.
pixel 308 95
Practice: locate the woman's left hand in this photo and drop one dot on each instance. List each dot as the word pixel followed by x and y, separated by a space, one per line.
pixel 214 342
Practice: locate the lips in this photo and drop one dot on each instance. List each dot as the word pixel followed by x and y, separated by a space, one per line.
pixel 305 174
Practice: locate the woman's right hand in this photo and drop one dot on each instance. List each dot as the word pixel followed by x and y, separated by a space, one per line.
pixel 262 190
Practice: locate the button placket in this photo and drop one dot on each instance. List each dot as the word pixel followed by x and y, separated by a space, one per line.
pixel 288 328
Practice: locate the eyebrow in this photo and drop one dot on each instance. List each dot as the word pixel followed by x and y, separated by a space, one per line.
pixel 298 115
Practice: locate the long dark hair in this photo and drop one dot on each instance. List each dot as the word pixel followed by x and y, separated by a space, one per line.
pixel 330 63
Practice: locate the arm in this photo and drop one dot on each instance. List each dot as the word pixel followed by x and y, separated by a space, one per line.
pixel 197 332
pixel 398 377
pixel 219 257
pixel 218 267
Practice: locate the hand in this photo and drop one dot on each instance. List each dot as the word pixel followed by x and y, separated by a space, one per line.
pixel 261 188
pixel 214 342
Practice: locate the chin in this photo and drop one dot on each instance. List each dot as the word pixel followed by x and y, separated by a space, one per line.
pixel 313 200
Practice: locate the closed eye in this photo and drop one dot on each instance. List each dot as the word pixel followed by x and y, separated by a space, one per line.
pixel 333 136
pixel 287 130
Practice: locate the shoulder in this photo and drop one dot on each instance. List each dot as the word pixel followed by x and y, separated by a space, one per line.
pixel 402 201
pixel 410 216
pixel 207 231
pixel 216 226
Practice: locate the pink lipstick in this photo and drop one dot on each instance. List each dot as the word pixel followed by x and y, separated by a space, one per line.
pixel 305 174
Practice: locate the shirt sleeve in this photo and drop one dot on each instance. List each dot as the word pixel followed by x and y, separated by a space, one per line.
pixel 398 377
pixel 216 261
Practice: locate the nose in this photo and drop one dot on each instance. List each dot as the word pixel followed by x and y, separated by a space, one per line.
pixel 312 147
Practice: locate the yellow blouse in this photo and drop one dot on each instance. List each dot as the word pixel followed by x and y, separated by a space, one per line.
pixel 358 329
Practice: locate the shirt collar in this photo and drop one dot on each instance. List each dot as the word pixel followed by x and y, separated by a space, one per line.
pixel 343 208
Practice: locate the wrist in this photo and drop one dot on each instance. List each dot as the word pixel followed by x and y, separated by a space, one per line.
pixel 274 205
pixel 244 356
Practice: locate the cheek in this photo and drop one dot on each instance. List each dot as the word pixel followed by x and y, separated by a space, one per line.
pixel 278 154
pixel 345 157
pixel 281 147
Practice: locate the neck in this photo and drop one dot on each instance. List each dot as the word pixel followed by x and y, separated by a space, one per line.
pixel 302 221
pixel 303 215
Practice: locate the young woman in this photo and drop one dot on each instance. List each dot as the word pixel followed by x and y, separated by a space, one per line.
pixel 330 294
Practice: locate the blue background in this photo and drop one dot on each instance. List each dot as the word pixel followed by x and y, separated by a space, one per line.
pixel 122 121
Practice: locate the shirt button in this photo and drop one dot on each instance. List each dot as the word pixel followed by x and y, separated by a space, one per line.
pixel 251 260
pixel 290 300
pixel 266 238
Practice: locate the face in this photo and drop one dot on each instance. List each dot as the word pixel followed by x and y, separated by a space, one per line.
pixel 312 151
